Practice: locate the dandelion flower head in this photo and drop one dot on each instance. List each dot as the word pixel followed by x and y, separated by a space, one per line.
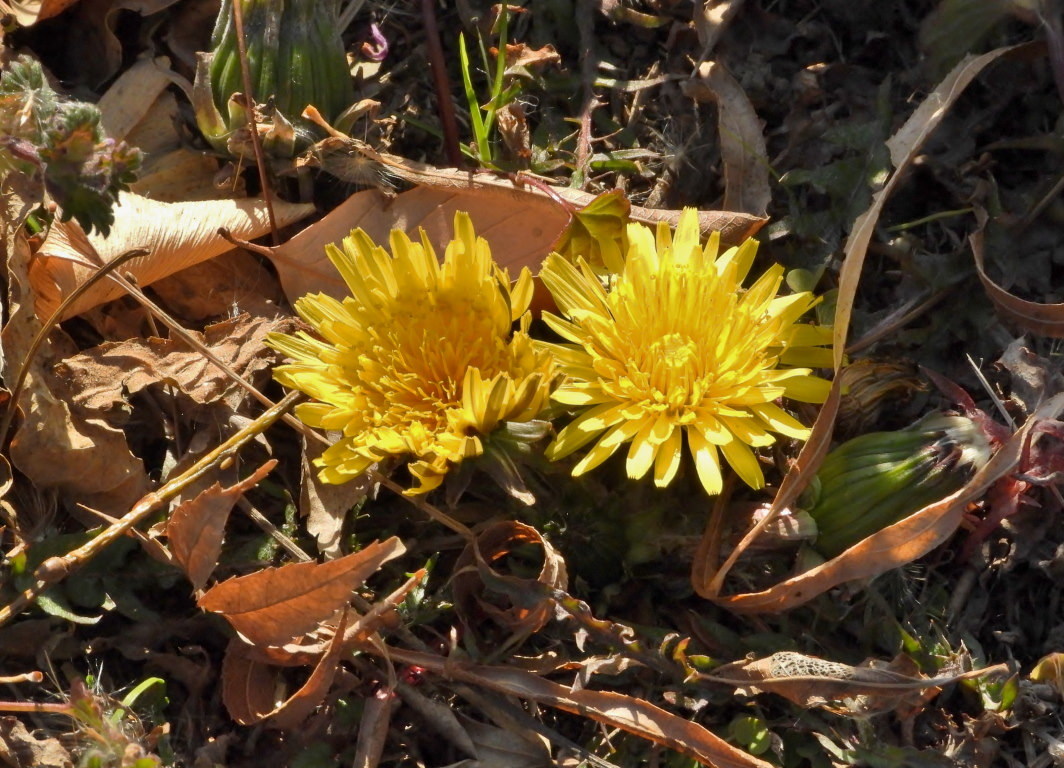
pixel 422 361
pixel 672 345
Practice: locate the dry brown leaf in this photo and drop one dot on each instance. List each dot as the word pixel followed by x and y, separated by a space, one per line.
pixel 377 711
pixel 523 55
pixel 100 378
pixel 306 650
pixel 196 528
pixel 506 747
pixel 473 575
pixel 742 143
pixel 1028 316
pixel 326 505
pixel 178 234
pixel 903 147
pixel 903 542
pixel 711 18
pixel 811 681
pixel 21 749
pixel 520 225
pixel 29 12
pixel 637 716
pixel 225 286
pixel 275 605
pixel 59 445
pixel 249 687
pixel 439 717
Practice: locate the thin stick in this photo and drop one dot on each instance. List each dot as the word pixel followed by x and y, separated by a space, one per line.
pixel 54 569
pixel 249 108
pixel 442 83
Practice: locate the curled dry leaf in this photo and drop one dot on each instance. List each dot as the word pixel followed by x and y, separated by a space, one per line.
pixel 58 444
pixel 178 234
pixel 1028 316
pixel 197 527
pixel 903 542
pixel 275 605
pixel 742 144
pixel 631 714
pixel 101 377
pixel 474 576
pixel 903 145
pixel 811 681
pixel 249 686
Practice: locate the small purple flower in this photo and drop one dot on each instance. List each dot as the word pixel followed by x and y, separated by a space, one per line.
pixel 376 49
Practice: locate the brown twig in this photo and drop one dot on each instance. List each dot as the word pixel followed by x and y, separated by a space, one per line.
pixel 54 569
pixel 249 108
pixel 443 84
pixel 588 67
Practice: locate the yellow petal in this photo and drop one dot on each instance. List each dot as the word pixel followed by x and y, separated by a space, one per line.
pixel 668 459
pixel 745 464
pixel 707 462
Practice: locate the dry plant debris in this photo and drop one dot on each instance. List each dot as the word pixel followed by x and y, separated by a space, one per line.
pixel 408 560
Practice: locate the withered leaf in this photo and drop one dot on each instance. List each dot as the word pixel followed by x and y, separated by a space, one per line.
pixel 197 527
pixel 812 681
pixel 470 583
pixel 275 605
pixel 100 377
pixel 635 715
pixel 248 685
pixel 742 143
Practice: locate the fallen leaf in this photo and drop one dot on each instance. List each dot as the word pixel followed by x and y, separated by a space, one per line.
pixel 100 378
pixel 249 687
pixel 904 145
pixel 178 234
pixel 326 505
pixel 439 717
pixel 811 681
pixel 631 714
pixel 474 579
pixel 711 18
pixel 742 143
pixel 196 527
pixel 21 749
pixel 903 542
pixel 1028 316
pixel 1050 670
pixel 59 445
pixel 275 605
pixel 506 747
pixel 377 712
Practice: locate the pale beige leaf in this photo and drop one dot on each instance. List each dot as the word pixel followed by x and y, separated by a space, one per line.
pixel 178 234
pixel 132 96
pixel 812 681
pixel 742 143
pixel 326 505
pixel 275 605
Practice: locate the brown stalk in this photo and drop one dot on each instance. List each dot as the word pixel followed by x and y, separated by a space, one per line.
pixel 443 84
pixel 249 109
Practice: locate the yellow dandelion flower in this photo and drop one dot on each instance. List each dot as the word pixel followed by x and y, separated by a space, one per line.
pixel 671 345
pixel 421 361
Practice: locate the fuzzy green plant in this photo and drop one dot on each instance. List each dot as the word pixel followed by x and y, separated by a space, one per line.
pixel 61 146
